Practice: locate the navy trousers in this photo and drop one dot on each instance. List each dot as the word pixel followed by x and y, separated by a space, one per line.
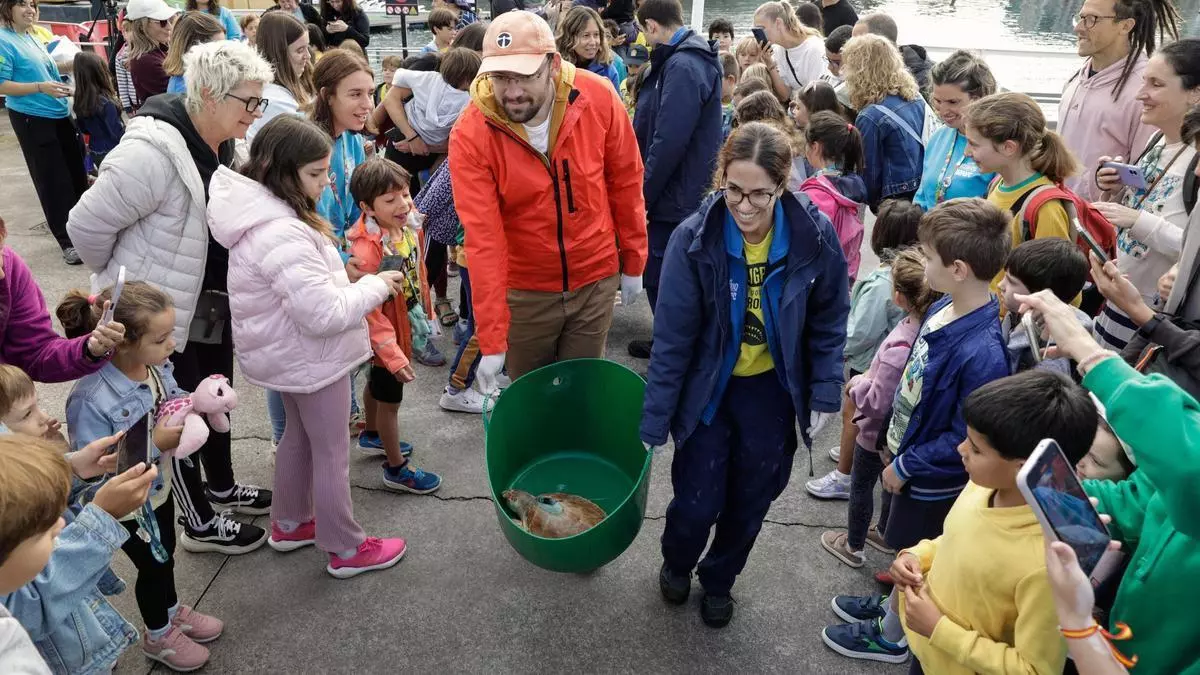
pixel 727 474
pixel 659 234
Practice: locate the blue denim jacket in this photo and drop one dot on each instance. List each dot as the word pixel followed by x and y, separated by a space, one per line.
pixel 105 402
pixel 64 608
pixel 894 159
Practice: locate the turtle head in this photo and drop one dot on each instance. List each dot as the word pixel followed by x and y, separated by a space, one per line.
pixel 517 501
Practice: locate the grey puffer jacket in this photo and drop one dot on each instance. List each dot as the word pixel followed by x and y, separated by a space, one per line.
pixel 147 212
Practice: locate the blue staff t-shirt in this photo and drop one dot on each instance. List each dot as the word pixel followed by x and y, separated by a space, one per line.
pixel 24 60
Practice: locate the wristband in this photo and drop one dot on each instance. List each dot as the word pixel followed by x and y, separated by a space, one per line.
pixel 1097 356
pixel 1147 328
pixel 1124 632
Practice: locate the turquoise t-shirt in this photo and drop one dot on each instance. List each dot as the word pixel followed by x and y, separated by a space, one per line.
pixel 337 205
pixel 948 172
pixel 24 59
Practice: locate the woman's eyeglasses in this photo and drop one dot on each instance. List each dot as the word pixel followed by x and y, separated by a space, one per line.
pixel 734 195
pixel 253 103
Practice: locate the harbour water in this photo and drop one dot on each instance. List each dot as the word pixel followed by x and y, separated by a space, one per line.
pixel 1029 43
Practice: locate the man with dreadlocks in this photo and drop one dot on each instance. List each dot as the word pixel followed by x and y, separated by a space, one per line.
pixel 1099 114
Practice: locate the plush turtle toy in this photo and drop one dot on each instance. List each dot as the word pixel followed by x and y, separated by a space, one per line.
pixel 553 515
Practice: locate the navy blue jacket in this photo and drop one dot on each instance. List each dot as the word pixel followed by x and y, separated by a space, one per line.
pixel 677 120
pixel 894 159
pixel 964 355
pixel 807 301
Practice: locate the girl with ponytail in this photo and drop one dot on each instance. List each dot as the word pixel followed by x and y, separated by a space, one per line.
pixel 834 149
pixel 1007 134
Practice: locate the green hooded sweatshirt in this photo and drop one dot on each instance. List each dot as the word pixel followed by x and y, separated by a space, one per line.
pixel 1156 516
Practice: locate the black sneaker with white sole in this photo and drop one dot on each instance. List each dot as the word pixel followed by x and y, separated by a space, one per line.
pixel 223 535
pixel 248 500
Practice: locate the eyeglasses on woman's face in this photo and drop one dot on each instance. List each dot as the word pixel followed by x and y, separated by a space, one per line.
pixel 253 103
pixel 734 195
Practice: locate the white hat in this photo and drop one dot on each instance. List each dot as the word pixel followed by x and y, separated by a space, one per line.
pixel 149 9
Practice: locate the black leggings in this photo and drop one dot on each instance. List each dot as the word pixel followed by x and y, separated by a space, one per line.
pixel 155 587
pixel 55 159
pixel 435 267
pixel 864 476
pixel 195 363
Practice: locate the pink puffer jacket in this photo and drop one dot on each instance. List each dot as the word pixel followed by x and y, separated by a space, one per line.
pixel 298 322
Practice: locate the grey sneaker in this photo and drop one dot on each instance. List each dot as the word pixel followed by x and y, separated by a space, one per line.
pixel 830 486
pixel 71 257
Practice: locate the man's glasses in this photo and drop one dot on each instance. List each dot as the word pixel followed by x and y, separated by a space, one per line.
pixel 1089 20
pixel 734 195
pixel 516 80
pixel 253 103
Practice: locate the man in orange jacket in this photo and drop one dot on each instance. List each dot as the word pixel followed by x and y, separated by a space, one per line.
pixel 548 185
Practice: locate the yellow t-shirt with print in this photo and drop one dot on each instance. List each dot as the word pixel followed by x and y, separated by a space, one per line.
pixel 1051 221
pixel 754 357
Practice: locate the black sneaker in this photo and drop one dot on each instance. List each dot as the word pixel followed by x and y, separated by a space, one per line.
pixel 716 610
pixel 249 500
pixel 640 349
pixel 675 587
pixel 224 535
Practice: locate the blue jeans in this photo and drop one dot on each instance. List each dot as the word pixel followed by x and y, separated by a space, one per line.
pixel 462 371
pixel 277 414
pixel 727 474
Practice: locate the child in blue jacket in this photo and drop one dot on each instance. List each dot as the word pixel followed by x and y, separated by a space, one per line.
pixel 958 349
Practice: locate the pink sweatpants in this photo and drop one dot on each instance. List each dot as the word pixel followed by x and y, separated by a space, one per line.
pixel 312 466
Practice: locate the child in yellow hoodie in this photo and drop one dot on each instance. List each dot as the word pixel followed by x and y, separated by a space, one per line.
pixel 977 599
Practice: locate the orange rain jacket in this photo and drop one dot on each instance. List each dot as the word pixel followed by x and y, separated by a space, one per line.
pixel 538 223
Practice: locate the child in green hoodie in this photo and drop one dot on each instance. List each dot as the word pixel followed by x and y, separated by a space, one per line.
pixel 1153 511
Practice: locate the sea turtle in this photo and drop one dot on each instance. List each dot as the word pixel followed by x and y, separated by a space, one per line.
pixel 553 515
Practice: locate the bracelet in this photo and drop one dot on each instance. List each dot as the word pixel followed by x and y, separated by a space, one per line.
pixel 1124 632
pixel 1097 356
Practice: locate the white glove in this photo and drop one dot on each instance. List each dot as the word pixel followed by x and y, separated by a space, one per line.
pixel 817 422
pixel 630 288
pixel 489 368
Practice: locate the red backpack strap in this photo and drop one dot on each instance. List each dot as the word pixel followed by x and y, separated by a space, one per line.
pixel 1034 200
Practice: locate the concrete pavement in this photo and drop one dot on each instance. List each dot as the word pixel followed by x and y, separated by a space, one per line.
pixel 462 600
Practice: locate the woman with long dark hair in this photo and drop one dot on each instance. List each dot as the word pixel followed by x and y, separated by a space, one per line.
pixel 344 20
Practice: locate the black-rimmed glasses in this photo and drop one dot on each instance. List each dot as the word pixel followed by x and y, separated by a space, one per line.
pixel 734 195
pixel 253 103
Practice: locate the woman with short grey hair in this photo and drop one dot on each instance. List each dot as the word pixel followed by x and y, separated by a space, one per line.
pixel 147 213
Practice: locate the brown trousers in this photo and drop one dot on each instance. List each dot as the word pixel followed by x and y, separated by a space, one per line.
pixel 550 327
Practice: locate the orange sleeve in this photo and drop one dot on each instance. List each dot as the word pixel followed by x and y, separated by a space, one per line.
pixel 383 340
pixel 477 200
pixel 623 171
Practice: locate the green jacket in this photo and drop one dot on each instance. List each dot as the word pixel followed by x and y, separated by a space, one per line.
pixel 1156 515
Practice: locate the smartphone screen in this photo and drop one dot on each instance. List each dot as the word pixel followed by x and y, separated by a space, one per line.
pixel 760 35
pixel 134 446
pixel 1052 482
pixel 392 263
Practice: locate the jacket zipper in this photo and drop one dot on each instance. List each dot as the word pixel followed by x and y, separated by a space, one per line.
pixel 567 180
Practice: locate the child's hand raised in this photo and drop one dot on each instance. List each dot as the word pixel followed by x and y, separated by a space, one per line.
pixel 906 570
pixel 122 494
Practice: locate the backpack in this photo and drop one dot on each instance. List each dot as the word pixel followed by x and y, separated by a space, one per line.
pixel 1080 213
pixel 843 212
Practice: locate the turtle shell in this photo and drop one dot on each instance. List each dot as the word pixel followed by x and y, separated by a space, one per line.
pixel 558 515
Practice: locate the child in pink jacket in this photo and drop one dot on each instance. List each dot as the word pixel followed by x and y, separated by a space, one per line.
pixel 871 394
pixel 299 328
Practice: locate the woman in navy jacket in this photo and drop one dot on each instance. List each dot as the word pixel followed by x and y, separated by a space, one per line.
pixel 748 338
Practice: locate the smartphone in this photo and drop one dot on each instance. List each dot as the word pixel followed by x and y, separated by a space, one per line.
pixel 1035 336
pixel 1056 496
pixel 392 263
pixel 134 446
pixel 116 297
pixel 1129 174
pixel 760 35
pixel 1089 240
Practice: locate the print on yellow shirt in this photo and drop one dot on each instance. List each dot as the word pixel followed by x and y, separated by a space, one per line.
pixel 754 357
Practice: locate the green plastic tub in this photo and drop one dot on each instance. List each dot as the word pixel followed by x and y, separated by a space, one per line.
pixel 572 427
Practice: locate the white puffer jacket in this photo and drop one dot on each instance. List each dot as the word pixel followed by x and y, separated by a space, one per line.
pixel 146 211
pixel 298 323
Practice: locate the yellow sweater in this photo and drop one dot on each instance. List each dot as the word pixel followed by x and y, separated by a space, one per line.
pixel 987 574
pixel 1051 219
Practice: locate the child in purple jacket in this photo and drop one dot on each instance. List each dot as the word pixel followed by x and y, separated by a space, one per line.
pixel 27 337
pixel 871 394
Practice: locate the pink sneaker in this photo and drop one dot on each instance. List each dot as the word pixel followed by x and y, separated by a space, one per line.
pixel 199 627
pixel 304 535
pixel 175 651
pixel 373 554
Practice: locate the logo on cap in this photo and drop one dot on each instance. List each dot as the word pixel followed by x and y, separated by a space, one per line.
pixel 503 40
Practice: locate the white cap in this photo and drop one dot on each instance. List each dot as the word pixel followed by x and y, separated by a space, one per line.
pixel 149 9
